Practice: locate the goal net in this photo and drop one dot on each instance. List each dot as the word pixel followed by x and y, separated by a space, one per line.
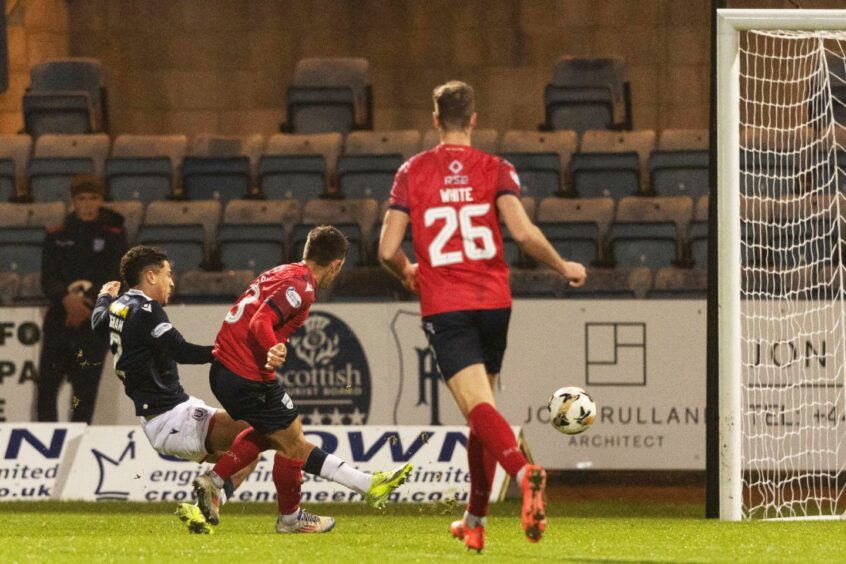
pixel 790 126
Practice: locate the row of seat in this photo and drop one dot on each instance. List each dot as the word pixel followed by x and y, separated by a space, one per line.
pixel 250 234
pixel 601 163
pixel 636 231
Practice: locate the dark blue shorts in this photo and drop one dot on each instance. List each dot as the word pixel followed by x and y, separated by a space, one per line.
pixel 264 405
pixel 459 339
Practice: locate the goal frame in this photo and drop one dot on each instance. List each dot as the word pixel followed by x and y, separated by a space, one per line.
pixel 729 24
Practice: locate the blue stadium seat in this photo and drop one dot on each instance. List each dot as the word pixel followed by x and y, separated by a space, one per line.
pixel 65 96
pixel 578 108
pixel 367 176
pixel 20 249
pixel 329 95
pixel 184 244
pixel 578 241
pixel 50 177
pixel 679 173
pixel 292 176
pixel 604 175
pixel 647 231
pixel 139 178
pixel 216 178
pixel 57 158
pixel 540 173
pixel 255 247
pixel 576 227
pixel 588 94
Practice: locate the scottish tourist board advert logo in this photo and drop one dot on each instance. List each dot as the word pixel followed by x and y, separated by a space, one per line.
pixel 326 373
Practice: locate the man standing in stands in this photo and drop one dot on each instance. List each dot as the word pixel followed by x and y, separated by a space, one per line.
pixel 455 196
pixel 78 257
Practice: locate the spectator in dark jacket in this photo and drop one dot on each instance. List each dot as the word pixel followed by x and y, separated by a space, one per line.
pixel 79 256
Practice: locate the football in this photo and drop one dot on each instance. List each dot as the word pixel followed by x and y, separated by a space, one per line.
pixel 571 410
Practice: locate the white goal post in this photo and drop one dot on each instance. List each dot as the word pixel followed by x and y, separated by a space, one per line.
pixel 781 316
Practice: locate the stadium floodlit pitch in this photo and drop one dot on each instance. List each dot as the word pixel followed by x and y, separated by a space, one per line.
pixel 578 532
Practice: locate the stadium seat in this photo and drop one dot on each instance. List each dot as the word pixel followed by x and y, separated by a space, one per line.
pixel 220 167
pixel 133 215
pixel 371 160
pixel 330 145
pixel 562 143
pixel 483 139
pixel 649 231
pixel 576 227
pixel 355 218
pixel 329 95
pixel 20 249
pixel 609 163
pixel 679 166
pixel 254 234
pixel 200 285
pixel 185 230
pixel 141 166
pixel 588 94
pixel 10 285
pixel 45 215
pixel 680 283
pixel 292 176
pixel 65 96
pixel 697 236
pixel 58 158
pixel 769 162
pixel 14 157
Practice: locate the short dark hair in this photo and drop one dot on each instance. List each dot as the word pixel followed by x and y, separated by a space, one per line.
pixel 137 260
pixel 455 103
pixel 325 244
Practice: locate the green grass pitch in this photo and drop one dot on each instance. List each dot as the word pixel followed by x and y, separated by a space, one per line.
pixel 579 532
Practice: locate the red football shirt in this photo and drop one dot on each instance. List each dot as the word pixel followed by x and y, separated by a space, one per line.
pixel 279 298
pixel 450 195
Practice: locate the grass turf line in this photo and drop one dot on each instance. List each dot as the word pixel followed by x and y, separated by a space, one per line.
pixel 578 532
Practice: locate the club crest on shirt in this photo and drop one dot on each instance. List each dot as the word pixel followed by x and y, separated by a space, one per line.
pixel 199 414
pixel 293 297
pixel 99 245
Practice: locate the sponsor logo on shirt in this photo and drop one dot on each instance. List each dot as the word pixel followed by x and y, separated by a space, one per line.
pixel 309 287
pixel 160 330
pixel 99 245
pixel 293 297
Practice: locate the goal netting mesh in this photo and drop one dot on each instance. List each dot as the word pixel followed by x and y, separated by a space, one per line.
pixel 793 425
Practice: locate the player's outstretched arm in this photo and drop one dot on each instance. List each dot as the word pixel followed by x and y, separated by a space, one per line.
pixel 170 341
pixel 390 249
pixel 534 243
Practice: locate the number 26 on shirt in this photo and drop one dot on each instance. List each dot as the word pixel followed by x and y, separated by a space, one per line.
pixel 471 235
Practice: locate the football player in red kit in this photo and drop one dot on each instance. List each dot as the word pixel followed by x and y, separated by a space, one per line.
pixel 249 347
pixel 454 196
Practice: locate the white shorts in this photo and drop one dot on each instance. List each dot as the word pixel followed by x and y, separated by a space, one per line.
pixel 182 431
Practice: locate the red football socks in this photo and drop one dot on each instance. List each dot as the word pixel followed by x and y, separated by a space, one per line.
pixel 496 435
pixel 482 467
pixel 288 478
pixel 245 448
